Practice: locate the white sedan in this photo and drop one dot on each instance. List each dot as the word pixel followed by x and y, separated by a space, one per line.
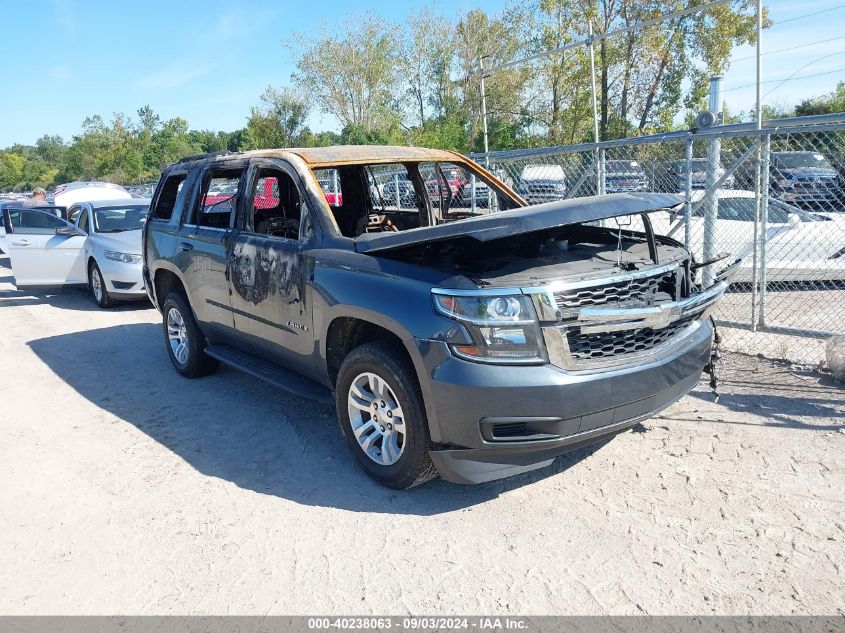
pixel 99 246
pixel 800 246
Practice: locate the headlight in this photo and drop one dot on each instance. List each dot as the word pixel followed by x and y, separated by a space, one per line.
pixel 124 258
pixel 503 328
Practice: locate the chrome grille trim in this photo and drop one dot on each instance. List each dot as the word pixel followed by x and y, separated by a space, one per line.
pixel 550 300
pixel 611 336
pixel 602 279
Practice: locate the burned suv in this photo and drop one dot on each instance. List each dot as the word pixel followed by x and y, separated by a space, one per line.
pixel 471 340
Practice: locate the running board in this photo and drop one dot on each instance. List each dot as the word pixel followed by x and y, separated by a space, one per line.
pixel 270 372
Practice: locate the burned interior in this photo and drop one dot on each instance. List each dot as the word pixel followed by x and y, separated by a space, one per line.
pixel 392 197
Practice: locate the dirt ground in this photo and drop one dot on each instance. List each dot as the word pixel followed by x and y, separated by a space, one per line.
pixel 128 489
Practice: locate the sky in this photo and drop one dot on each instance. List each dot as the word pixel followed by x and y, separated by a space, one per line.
pixel 811 70
pixel 208 61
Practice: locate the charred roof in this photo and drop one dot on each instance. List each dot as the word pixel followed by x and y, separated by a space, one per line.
pixel 340 155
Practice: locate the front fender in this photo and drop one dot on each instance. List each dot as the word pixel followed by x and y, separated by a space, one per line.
pixel 397 303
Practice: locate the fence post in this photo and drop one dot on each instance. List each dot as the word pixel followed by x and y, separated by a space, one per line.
pixel 483 89
pixel 755 259
pixel 711 205
pixel 764 222
pixel 711 200
pixel 600 184
pixel 396 191
pixel 688 192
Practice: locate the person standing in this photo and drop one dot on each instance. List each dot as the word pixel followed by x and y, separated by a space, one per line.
pixel 38 198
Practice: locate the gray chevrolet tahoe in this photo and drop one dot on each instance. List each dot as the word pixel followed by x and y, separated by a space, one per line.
pixel 454 337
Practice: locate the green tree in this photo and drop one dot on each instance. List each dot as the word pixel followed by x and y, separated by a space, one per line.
pixel 12 167
pixel 495 40
pixel 646 75
pixel 280 120
pixel 826 104
pixel 352 73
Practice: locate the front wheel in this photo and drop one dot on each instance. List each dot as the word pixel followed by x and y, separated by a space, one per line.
pixel 184 340
pixel 381 415
pixel 97 285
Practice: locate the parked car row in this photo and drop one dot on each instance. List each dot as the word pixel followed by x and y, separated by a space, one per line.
pixel 802 178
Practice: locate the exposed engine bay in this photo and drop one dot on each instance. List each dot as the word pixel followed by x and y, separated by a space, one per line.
pixel 578 250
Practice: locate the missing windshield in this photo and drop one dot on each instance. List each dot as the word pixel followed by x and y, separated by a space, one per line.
pixel 386 198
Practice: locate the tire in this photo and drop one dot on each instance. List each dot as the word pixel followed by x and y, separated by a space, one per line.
pixel 387 362
pixel 97 286
pixel 183 339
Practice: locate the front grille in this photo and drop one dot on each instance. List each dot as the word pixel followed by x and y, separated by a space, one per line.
pixel 608 345
pixel 571 348
pixel 633 292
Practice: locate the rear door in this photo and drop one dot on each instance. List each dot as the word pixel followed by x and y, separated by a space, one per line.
pixel 204 244
pixel 44 250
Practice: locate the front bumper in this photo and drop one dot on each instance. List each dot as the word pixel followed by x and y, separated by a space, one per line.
pixel 124 281
pixel 560 410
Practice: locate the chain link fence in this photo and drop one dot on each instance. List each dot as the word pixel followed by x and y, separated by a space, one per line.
pixel 773 197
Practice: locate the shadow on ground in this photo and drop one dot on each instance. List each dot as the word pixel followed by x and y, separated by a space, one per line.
pixel 778 396
pixel 236 428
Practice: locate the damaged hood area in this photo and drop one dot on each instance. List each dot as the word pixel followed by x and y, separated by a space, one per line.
pixel 503 224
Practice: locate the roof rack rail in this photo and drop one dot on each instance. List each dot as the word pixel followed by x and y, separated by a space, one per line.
pixel 188 159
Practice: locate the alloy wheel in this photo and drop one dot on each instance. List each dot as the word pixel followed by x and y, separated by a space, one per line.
pixel 96 284
pixel 177 336
pixel 376 418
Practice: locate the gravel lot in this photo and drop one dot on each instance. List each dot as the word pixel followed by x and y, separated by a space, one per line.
pixel 127 489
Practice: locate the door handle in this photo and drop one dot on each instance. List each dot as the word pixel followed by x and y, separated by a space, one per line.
pixel 20 243
pixel 185 246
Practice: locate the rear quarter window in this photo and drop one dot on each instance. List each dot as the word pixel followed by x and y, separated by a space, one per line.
pixel 172 196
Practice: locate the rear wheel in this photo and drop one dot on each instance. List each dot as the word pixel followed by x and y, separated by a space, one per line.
pixel 184 341
pixel 97 285
pixel 381 415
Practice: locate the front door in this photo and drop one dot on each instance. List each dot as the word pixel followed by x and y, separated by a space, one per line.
pixel 268 267
pixel 44 250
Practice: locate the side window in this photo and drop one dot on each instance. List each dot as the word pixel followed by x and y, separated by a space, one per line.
pixel 456 192
pixel 73 214
pixel 276 207
pixel 219 198
pixel 739 209
pixel 36 222
pixel 83 220
pixel 330 184
pixel 170 193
